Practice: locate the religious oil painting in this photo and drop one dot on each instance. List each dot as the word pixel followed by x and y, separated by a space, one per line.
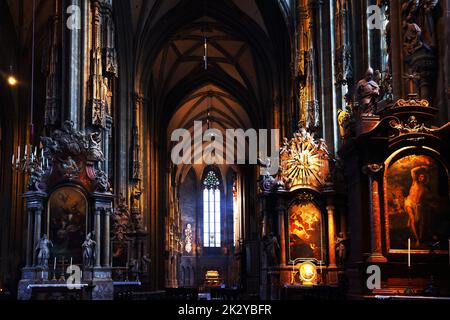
pixel 67 223
pixel 417 204
pixel 305 231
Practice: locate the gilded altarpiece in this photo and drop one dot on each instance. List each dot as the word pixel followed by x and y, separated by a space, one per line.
pixel 298 216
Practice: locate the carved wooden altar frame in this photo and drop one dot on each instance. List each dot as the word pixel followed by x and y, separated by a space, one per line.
pixel 403 128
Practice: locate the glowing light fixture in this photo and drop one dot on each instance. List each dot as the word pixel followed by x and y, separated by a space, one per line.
pixel 205 54
pixel 12 81
pixel 308 273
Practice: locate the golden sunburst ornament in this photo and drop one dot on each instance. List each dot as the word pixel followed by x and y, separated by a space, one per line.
pixel 304 161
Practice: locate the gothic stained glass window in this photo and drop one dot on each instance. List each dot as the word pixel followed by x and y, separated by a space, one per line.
pixel 211 211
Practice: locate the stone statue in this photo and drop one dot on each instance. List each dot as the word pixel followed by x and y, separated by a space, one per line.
pixel 121 220
pixel 341 249
pixel 88 247
pixel 367 93
pixel 146 261
pixel 102 181
pixel 36 171
pixel 43 251
pixel 105 94
pixel 271 247
pixel 135 268
pixel 94 150
pixel 412 39
pixel 188 238
pixel 266 180
pixel 70 168
pixel 421 15
pixel 135 197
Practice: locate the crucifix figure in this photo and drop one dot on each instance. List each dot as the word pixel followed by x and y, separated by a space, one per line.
pixel 411 78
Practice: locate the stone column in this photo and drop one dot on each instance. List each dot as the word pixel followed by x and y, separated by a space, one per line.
pixel 107 134
pixel 106 238
pixel 30 240
pixel 331 237
pixel 396 49
pixel 37 230
pixel 376 254
pixel 97 237
pixel 282 234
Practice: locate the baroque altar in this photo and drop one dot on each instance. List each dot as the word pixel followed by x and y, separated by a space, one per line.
pixel 297 218
pixel 69 202
pixel 397 164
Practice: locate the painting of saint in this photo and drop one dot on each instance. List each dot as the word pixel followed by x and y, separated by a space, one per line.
pixel 67 222
pixel 417 203
pixel 305 231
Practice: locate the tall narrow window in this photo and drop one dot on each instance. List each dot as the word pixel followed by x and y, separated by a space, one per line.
pixel 211 211
pixel 235 214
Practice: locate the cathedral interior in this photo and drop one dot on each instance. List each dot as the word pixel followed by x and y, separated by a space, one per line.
pixel 116 182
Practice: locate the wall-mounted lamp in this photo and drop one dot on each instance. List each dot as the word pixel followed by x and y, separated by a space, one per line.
pixel 12 80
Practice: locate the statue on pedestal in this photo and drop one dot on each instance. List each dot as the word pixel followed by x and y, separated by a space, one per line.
pixel 188 238
pixel 43 250
pixel 367 93
pixel 94 152
pixel 88 251
pixel 266 180
pixel 271 247
pixel 341 249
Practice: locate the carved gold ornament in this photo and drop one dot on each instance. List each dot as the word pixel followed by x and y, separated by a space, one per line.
pixel 412 103
pixel 304 162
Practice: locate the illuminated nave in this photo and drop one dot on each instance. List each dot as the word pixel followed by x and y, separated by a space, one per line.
pixel 224 149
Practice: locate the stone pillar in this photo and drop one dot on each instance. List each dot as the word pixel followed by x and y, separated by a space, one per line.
pixel 396 50
pixel 376 254
pixel 104 288
pixel 282 233
pixel 30 240
pixel 37 231
pixel 97 237
pixel 331 237
pixel 106 145
pixel 136 166
pixel 106 238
